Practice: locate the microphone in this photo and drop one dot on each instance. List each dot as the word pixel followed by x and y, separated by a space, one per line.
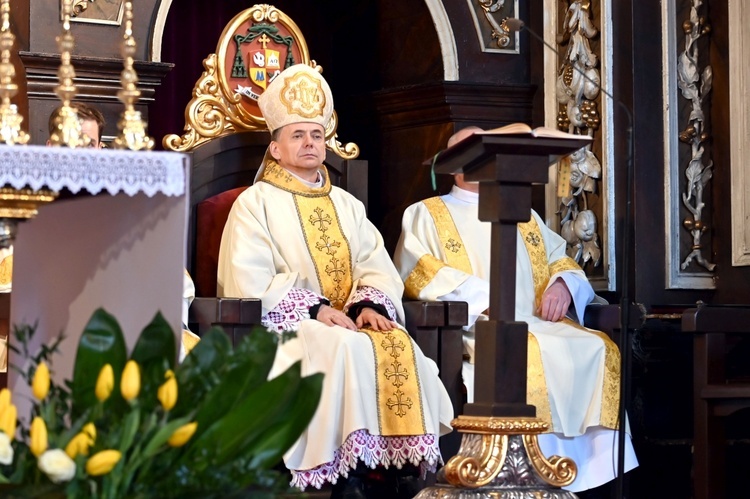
pixel 517 25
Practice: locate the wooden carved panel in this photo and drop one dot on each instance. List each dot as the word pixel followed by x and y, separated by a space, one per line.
pixel 580 195
pixel 739 90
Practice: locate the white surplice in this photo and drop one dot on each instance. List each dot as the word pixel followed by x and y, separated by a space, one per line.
pixel 264 254
pixel 573 359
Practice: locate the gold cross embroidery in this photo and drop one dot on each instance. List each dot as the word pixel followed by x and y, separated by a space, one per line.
pixel 453 245
pixel 399 403
pixel 533 239
pixel 325 244
pixel 397 375
pixel 336 269
pixel 323 219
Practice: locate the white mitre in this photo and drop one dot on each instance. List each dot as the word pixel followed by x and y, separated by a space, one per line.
pixel 299 94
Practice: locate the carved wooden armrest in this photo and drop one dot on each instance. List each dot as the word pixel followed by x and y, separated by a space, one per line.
pixel 437 327
pixel 604 318
pixel 235 315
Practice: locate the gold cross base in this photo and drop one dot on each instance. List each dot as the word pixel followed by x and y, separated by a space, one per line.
pixel 501 458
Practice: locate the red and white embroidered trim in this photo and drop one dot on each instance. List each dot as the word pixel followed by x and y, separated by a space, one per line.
pixel 372 450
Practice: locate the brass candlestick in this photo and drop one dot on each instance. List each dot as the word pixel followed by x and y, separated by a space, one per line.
pixel 10 120
pixel 67 131
pixel 132 129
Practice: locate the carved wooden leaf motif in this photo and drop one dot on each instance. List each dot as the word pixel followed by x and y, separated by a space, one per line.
pixel 708 172
pixel 706 81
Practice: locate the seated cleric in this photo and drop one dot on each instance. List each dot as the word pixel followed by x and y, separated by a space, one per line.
pixel 307 250
pixel 573 373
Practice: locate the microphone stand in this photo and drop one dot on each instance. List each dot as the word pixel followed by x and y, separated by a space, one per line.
pixel 625 341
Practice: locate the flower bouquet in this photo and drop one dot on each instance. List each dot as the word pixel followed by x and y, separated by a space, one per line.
pixel 141 426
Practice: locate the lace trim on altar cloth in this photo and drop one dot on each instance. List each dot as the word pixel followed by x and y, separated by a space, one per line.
pixel 372 450
pixel 93 170
pixel 291 310
pixel 368 293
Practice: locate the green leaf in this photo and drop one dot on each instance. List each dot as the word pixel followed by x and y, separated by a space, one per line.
pixel 249 369
pixel 235 433
pixel 161 436
pixel 155 353
pixel 129 429
pixel 101 343
pixel 271 446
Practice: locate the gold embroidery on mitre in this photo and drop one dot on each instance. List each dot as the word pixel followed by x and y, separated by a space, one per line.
pixel 532 238
pixel 303 95
pixel 424 272
pixel 609 416
pixel 397 383
pixel 536 384
pixel 327 246
pixel 454 253
pixel 562 265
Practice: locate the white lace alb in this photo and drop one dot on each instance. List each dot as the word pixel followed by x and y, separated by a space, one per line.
pixel 93 170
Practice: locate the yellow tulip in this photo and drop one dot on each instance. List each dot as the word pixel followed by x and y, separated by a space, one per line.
pixel 182 434
pixel 40 383
pixel 102 462
pixel 105 383
pixel 90 430
pixel 38 436
pixel 80 443
pixel 8 419
pixel 131 381
pixel 167 392
pixel 4 399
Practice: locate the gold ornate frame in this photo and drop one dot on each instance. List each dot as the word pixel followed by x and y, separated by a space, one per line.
pixel 81 14
pixel 217 109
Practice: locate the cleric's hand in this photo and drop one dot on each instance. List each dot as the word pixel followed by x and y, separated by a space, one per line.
pixel 369 317
pixel 332 317
pixel 555 302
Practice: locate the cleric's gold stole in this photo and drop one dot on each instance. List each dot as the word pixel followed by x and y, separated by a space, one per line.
pixel 542 271
pixel 454 252
pixel 397 380
pixel 326 243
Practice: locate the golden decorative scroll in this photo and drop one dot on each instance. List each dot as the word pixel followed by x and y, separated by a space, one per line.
pixel 486 444
pixel 397 383
pixel 557 471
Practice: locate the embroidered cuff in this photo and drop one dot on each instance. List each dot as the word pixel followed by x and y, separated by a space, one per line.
pixel 356 308
pixel 315 308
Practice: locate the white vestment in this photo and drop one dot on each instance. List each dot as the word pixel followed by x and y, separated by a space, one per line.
pixel 573 359
pixel 266 253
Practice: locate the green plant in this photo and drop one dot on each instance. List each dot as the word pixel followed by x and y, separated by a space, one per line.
pixel 141 426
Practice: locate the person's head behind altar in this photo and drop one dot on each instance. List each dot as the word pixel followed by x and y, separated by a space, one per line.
pixel 92 122
pixel 454 139
pixel 297 105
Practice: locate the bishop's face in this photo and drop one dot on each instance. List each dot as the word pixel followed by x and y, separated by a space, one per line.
pixel 300 148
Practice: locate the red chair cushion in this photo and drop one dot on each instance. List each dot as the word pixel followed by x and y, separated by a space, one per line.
pixel 210 217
